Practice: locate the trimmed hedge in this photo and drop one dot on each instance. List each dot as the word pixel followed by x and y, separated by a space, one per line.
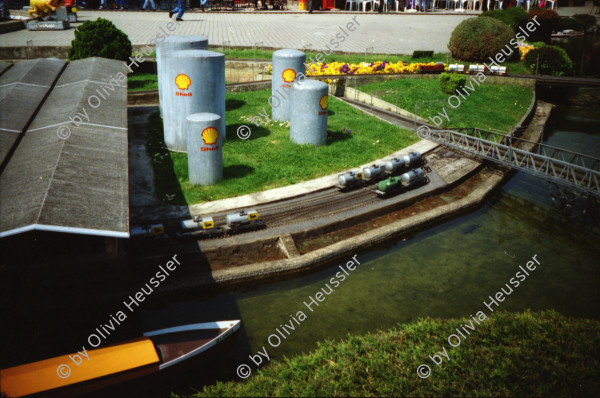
pixel 450 82
pixel 570 23
pixel 588 21
pixel 513 17
pixel 529 354
pixel 552 61
pixel 548 20
pixel 100 38
pixel 477 39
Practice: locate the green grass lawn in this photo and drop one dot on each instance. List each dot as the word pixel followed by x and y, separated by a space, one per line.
pixel 489 107
pixel 142 82
pixel 509 355
pixel 268 159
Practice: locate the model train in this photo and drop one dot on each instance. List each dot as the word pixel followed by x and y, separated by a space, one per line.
pixel 243 220
pixel 377 172
pixel 461 68
pixel 407 180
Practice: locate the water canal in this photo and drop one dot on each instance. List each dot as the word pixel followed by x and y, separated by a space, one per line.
pixel 446 271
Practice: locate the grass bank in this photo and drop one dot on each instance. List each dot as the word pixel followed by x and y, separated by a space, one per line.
pixel 526 354
pixel 268 159
pixel 490 106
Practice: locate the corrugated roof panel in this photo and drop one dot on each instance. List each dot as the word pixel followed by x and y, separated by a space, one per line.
pixel 79 184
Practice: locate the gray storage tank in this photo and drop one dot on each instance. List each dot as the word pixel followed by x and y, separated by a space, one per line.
pixel 174 43
pixel 204 148
pixel 308 124
pixel 412 176
pixel 287 64
pixel 193 82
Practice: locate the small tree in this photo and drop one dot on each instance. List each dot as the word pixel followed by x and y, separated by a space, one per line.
pixel 513 17
pixel 548 20
pixel 477 39
pixel 100 38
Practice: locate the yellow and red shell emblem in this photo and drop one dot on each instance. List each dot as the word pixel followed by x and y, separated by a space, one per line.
pixel 183 81
pixel 210 135
pixel 324 101
pixel 288 75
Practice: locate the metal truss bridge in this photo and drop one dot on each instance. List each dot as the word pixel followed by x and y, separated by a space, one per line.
pixel 578 171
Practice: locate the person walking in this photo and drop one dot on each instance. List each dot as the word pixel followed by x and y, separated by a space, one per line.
pixel 151 3
pixel 179 10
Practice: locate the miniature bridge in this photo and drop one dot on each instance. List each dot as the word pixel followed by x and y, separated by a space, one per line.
pixel 578 171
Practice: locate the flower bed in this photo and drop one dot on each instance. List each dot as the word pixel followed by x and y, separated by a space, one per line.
pixel 365 68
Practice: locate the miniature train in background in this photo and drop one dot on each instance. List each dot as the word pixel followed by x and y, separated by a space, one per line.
pixel 410 166
pixel 461 68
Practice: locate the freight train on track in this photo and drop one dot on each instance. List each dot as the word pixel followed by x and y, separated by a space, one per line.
pixel 394 176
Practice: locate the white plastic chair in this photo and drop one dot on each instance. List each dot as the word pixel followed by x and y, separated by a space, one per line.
pixel 351 2
pixel 376 4
pixel 364 3
pixel 461 5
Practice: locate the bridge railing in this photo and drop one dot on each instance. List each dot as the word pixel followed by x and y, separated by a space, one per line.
pixel 579 171
pixel 512 139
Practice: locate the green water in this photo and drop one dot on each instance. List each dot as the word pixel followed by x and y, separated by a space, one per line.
pixel 446 271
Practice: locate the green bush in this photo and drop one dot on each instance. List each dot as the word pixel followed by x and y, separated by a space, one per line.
pixel 508 355
pixel 100 38
pixel 588 21
pixel 548 20
pixel 552 61
pixel 477 39
pixel 450 82
pixel 570 23
pixel 513 17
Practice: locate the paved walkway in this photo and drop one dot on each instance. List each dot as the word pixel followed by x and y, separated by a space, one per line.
pixel 388 33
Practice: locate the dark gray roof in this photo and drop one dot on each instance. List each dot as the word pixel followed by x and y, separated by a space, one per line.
pixel 22 90
pixel 78 184
pixel 4 66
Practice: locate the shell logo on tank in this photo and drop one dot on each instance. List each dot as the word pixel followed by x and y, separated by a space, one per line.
pixel 324 101
pixel 183 81
pixel 288 75
pixel 210 135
